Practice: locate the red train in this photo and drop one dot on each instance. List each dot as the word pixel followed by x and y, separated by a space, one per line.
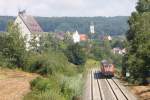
pixel 107 69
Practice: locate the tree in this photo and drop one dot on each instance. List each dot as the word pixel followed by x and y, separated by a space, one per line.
pixel 138 36
pixel 75 54
pixel 34 42
pixel 118 43
pixel 14 46
pixel 143 6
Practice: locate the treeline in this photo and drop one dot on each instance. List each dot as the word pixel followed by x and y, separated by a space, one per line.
pixel 110 25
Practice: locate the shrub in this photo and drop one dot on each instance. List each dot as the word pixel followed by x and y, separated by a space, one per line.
pixel 47 95
pixel 41 84
pixel 49 63
pixel 75 54
pixel 64 87
pixel 72 87
pixel 38 63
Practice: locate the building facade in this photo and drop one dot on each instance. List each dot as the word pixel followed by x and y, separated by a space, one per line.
pixel 76 37
pixel 28 27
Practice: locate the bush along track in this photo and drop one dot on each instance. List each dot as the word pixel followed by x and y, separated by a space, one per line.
pixel 59 81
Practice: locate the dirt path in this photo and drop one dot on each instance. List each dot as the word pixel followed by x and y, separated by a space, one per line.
pixel 14 84
pixel 99 88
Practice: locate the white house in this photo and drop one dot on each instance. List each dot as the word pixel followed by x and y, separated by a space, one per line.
pixel 76 37
pixel 109 37
pixel 28 26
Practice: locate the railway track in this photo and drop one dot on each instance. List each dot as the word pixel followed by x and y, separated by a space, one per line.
pixel 101 88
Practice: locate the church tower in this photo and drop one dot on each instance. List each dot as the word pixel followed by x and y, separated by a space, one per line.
pixel 92 30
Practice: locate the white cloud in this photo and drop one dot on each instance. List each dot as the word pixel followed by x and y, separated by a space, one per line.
pixel 68 7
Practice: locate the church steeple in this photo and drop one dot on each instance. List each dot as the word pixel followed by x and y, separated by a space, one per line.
pixel 92 30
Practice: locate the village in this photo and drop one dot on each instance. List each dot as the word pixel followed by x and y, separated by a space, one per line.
pixel 85 51
pixel 29 28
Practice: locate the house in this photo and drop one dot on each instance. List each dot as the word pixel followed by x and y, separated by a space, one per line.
pixel 83 37
pixel 79 37
pixel 109 37
pixel 119 51
pixel 76 37
pixel 124 51
pixel 105 37
pixel 28 27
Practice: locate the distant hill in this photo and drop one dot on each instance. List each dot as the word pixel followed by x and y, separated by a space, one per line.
pixel 110 25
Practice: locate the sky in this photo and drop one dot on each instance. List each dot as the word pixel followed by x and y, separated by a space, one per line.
pixel 73 8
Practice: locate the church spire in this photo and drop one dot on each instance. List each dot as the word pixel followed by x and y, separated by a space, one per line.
pixel 92 30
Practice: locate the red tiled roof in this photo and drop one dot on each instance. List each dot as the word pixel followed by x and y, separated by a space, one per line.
pixel 83 37
pixel 31 23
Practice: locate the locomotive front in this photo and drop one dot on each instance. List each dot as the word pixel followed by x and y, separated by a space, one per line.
pixel 107 69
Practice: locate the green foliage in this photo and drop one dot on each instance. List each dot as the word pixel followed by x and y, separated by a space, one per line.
pixel 51 41
pixel 34 42
pixel 44 84
pixel 98 53
pixel 60 79
pixel 49 62
pixel 72 86
pixel 102 24
pixel 4 62
pixel 143 6
pixel 47 95
pixel 90 63
pixel 118 43
pixel 75 54
pixel 137 57
pixel 100 50
pixel 116 60
pixel 13 46
pixel 58 86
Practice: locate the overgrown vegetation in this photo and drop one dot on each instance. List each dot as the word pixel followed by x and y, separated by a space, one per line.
pixel 56 87
pixel 103 50
pixel 136 61
pixel 60 63
pixel 75 54
pixel 59 80
pixel 12 47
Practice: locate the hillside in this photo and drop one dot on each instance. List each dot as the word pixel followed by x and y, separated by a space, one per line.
pixel 111 25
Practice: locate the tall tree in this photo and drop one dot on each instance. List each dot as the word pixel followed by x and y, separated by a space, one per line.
pixel 14 46
pixel 138 50
pixel 143 6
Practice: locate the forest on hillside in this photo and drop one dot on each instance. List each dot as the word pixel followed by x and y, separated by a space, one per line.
pixel 110 25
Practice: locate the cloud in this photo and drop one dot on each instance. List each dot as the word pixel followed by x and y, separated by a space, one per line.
pixel 69 7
